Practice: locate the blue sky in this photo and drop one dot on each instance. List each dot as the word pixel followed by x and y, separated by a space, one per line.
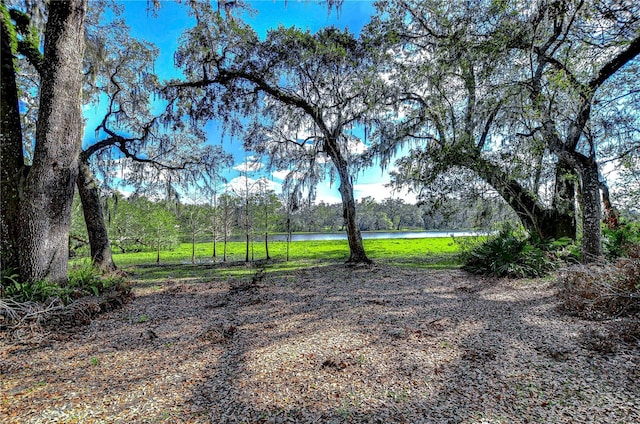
pixel 164 30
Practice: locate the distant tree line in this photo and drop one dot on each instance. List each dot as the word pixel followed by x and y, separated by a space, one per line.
pixel 137 224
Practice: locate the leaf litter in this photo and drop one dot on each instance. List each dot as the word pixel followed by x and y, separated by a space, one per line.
pixel 329 344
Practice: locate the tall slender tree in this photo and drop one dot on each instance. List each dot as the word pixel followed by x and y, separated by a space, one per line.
pixel 227 207
pixel 130 134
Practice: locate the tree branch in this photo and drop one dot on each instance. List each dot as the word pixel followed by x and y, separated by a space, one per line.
pixel 32 54
pixel 29 45
pixel 226 76
pixel 618 61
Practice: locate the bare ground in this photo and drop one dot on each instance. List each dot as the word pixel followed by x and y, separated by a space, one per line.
pixel 329 344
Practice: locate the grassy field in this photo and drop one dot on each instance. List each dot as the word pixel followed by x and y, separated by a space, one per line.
pixel 427 252
pixel 435 253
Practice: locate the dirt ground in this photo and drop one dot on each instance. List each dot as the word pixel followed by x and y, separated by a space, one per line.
pixel 330 344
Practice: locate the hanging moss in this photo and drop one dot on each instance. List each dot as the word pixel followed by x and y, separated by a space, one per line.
pixel 10 31
pixel 22 35
pixel 32 38
pixel 27 34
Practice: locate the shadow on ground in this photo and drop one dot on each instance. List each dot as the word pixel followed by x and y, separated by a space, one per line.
pixel 331 343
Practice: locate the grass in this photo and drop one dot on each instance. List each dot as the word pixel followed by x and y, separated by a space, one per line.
pixel 425 252
pixel 435 253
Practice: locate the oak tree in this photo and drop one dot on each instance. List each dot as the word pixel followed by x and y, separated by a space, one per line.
pixel 508 91
pixel 36 199
pixel 320 86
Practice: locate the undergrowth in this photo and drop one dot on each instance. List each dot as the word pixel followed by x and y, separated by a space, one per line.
pixel 601 291
pixel 84 279
pixel 28 308
pixel 511 252
pixel 616 242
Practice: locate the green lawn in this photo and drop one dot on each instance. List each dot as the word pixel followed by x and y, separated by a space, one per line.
pixel 176 264
pixel 426 252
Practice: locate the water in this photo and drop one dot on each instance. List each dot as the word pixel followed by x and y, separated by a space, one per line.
pixel 372 235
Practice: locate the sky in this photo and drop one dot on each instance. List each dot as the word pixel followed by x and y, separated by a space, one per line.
pixel 165 27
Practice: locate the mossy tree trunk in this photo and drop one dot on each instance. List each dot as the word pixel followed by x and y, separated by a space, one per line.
pixel 11 156
pixel 46 191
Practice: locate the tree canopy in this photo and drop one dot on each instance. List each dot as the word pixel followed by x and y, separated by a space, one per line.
pixel 515 94
pixel 304 94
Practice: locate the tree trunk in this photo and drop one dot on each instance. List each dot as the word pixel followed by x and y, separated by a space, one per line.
pixel 214 253
pixel 193 245
pixel 354 236
pixel 158 250
pixel 356 247
pixel 224 249
pixel 545 223
pixel 611 215
pixel 214 225
pixel 11 156
pixel 562 221
pixel 246 256
pixel 591 211
pixel 288 234
pixel 49 186
pixel 94 218
pixel 266 244
pixel 266 231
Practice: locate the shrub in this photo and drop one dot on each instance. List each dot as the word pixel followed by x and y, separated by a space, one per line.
pixel 616 243
pixel 605 290
pixel 39 291
pixel 86 279
pixel 43 304
pixel 509 254
pixel 8 279
pixel 83 280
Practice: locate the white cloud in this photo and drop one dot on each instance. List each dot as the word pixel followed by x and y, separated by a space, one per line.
pixel 328 193
pixel 280 174
pixel 380 191
pixel 240 185
pixel 252 164
pixel 356 146
pixel 283 173
pixel 272 185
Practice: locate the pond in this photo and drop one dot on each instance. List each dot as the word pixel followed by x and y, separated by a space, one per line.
pixel 368 235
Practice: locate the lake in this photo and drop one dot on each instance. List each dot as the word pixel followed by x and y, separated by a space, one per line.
pixel 368 235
